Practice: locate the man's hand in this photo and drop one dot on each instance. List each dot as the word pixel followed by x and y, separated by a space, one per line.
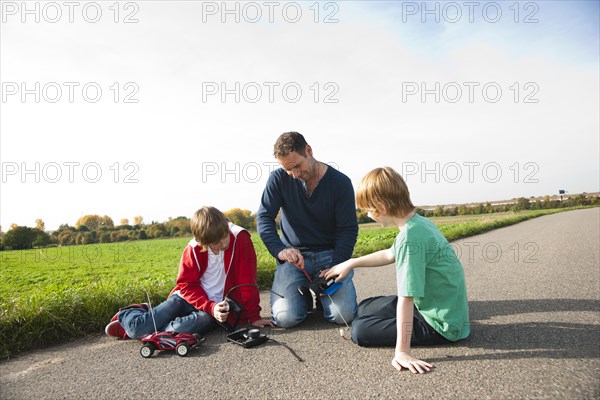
pixel 221 311
pixel 404 360
pixel 340 270
pixel 261 323
pixel 292 256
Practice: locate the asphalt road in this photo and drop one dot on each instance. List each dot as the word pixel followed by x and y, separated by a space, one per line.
pixel 534 303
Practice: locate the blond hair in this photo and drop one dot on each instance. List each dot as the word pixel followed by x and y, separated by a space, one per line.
pixel 384 186
pixel 209 226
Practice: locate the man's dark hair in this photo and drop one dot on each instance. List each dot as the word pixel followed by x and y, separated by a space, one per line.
pixel 288 142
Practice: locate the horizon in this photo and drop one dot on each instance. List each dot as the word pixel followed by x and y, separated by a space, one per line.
pixel 423 207
pixel 154 108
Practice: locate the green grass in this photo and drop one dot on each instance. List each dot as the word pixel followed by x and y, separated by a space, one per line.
pixel 51 295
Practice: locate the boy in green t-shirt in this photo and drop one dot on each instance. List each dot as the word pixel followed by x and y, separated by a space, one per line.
pixel 431 306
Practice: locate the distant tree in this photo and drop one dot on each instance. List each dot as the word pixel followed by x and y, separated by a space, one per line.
pixel 426 213
pixel 13 226
pixel 41 238
pixel 138 220
pixel 66 237
pixel 182 225
pixel 439 211
pixel 451 211
pixel 362 217
pixel 90 237
pixel 104 237
pixel 80 238
pixel 488 208
pixel 581 200
pixel 39 224
pixel 156 230
pixel 20 237
pixel 523 204
pixel 94 221
pixel 243 218
pixel 62 234
pixel 546 201
pixel 124 221
pixel 555 204
pixel 119 236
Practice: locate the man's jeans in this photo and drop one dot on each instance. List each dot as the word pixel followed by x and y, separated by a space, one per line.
pixel 291 309
pixel 174 314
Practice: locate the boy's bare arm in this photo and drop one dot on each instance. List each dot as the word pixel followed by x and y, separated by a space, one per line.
pixel 377 259
pixel 404 325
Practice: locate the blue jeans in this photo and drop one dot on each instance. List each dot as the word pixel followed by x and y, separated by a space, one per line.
pixel 291 309
pixel 174 314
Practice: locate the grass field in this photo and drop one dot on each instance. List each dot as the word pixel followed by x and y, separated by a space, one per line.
pixel 55 294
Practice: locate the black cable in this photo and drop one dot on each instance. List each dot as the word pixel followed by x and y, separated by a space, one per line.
pixel 240 285
pixel 289 348
pixel 237 320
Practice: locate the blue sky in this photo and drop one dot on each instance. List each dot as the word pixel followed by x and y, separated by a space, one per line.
pixel 377 86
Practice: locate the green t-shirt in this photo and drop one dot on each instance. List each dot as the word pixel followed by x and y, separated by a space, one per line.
pixel 428 270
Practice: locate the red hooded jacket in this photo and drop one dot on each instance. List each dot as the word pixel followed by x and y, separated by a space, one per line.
pixel 241 270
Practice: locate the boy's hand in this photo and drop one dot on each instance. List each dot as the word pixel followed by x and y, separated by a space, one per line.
pixel 261 323
pixel 292 256
pixel 221 311
pixel 340 270
pixel 404 360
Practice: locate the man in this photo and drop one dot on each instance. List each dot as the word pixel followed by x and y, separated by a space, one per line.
pixel 319 230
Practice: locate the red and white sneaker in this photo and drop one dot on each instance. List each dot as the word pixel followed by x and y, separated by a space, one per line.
pixel 115 329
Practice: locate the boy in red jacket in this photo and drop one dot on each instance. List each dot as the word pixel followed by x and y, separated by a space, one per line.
pixel 220 261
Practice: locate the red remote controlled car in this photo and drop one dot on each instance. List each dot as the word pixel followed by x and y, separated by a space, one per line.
pixel 180 342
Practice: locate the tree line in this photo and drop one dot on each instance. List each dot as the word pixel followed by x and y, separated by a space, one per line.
pixel 519 204
pixel 91 229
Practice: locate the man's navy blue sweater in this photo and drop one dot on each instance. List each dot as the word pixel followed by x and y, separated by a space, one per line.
pixel 326 220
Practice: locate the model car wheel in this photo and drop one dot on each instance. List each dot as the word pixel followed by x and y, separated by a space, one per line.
pixel 183 349
pixel 147 350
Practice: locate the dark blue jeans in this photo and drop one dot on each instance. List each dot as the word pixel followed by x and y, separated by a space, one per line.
pixel 375 325
pixel 174 314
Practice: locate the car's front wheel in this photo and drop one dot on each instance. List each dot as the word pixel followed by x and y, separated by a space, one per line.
pixel 147 350
pixel 183 349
